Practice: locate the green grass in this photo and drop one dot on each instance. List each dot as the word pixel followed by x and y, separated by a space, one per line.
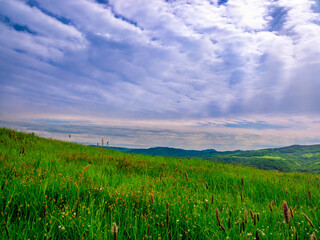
pixel 47 194
pixel 286 159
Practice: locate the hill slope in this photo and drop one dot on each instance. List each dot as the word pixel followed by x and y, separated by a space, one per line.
pixel 292 158
pixel 56 190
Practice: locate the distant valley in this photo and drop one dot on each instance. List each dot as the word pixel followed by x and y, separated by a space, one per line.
pixel 292 158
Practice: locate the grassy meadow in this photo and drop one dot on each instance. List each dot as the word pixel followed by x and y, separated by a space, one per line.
pixel 51 189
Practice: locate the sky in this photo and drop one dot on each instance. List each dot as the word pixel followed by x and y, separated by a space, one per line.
pixel 192 74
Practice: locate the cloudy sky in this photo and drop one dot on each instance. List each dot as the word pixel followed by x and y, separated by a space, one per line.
pixel 193 74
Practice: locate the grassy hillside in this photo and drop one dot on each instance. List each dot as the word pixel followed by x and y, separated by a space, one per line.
pixel 293 158
pixel 56 190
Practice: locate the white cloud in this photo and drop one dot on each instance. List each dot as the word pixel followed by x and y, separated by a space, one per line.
pixel 253 132
pixel 50 30
pixel 161 60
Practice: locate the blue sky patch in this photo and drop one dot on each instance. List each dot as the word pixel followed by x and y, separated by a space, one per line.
pixel 102 1
pixel 20 28
pixel 279 15
pixel 57 121
pixel 253 125
pixel 62 19
pixel 220 2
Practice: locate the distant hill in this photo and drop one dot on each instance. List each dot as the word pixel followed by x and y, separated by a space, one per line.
pixel 166 151
pixel 291 158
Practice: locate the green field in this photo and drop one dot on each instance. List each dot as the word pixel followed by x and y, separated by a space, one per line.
pixel 297 158
pixel 56 190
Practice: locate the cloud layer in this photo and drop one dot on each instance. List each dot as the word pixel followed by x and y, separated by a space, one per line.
pixel 166 61
pixel 220 134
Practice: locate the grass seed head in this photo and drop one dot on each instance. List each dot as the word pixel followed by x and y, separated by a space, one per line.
pixel 242 227
pixel 286 212
pixel 257 235
pixel 187 178
pixel 309 194
pixel 217 217
pixel 7 232
pixel 152 198
pixel 114 230
pixel 271 209
pixel 251 213
pixel 308 219
pixel 245 216
pixel 222 228
pixel 207 186
pixel 83 171
pixel 291 212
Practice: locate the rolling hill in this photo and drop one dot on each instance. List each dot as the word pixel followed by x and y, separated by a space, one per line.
pixel 292 158
pixel 166 152
pixel 60 190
